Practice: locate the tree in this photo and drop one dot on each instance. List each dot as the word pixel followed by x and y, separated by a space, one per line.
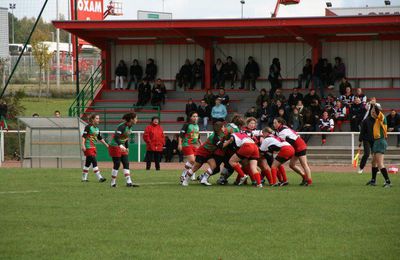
pixel 42 56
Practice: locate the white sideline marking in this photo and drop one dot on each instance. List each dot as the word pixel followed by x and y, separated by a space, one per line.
pixel 18 192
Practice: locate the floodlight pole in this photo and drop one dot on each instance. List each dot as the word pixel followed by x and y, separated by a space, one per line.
pixel 12 7
pixel 23 49
pixel 58 49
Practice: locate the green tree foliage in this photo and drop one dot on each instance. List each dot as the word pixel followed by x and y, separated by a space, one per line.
pixel 22 28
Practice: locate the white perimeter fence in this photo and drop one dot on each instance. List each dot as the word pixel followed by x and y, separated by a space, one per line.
pixel 139 134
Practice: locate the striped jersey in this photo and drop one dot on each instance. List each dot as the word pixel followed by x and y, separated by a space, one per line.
pixel 121 135
pixel 189 134
pixel 91 134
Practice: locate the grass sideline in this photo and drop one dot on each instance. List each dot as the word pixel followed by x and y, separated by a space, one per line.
pixel 50 214
pixel 46 106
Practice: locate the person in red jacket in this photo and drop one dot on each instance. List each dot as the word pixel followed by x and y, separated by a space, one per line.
pixel 155 140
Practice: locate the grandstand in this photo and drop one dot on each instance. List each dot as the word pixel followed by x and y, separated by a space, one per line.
pixel 368 45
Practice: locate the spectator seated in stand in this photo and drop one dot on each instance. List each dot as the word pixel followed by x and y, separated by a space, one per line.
pixel 326 75
pixel 306 75
pixel 158 93
pixel 151 70
pixel 262 97
pixel 275 108
pixel 309 123
pixel 184 77
pixel 357 112
pixel 343 85
pixel 229 70
pixel 144 93
pixel 136 73
pixel 347 98
pixel 308 98
pixel 316 109
pixel 209 97
pixel 362 96
pixel 279 96
pixel 217 73
pixel 330 104
pixel 339 70
pixel 326 124
pixel 393 124
pixel 252 112
pixel 204 112
pixel 223 96
pixel 218 112
pixel 197 73
pixel 264 113
pixel 294 97
pixel 250 75
pixel 275 77
pixel 296 120
pixel 340 114
pixel 190 107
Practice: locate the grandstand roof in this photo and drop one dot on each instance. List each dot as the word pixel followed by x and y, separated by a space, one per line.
pixel 309 29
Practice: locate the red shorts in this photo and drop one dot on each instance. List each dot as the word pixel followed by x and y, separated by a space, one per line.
pixel 285 154
pixel 189 150
pixel 115 151
pixel 248 151
pixel 90 152
pixel 300 147
pixel 202 152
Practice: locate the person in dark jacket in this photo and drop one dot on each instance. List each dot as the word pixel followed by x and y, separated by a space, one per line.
pixel 151 70
pixel 121 73
pixel 167 149
pixel 308 98
pixel 357 112
pixel 264 114
pixel 229 70
pixel 306 75
pixel 175 150
pixel 274 77
pixel 144 93
pixel 317 77
pixel 262 97
pixel 204 112
pixel 154 138
pixel 184 76
pixel 393 124
pixel 223 96
pixel 294 97
pixel 158 93
pixel 366 138
pixel 309 124
pixel 218 73
pixel 339 70
pixel 251 73
pixel 252 112
pixel 197 73
pixel 344 84
pixel 209 97
pixel 190 106
pixel 136 73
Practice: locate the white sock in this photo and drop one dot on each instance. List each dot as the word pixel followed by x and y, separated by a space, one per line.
pixel 188 166
pixel 97 172
pixel 114 174
pixel 127 174
pixel 85 173
pixel 209 172
pixel 189 172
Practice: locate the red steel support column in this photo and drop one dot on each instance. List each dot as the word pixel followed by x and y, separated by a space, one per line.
pixel 208 63
pixel 106 60
pixel 316 52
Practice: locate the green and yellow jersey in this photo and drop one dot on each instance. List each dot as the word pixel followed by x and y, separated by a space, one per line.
pixel 91 134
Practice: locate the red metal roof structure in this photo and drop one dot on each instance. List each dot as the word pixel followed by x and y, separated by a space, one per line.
pixel 206 33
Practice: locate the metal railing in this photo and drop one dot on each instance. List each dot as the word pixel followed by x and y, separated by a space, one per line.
pixel 87 93
pixel 207 133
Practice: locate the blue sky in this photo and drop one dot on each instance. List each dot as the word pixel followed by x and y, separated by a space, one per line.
pixel 198 9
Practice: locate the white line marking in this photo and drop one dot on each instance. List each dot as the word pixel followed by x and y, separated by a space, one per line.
pixel 19 192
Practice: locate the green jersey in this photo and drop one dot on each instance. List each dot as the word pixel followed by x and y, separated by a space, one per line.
pixel 232 128
pixel 91 135
pixel 189 134
pixel 121 135
pixel 212 141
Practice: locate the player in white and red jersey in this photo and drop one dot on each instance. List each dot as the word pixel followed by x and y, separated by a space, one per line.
pixel 245 149
pixel 273 144
pixel 300 148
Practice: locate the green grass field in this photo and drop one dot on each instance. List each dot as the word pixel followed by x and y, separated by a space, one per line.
pixel 46 106
pixel 50 214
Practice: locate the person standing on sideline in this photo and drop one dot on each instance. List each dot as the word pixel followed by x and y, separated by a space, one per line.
pixel 379 147
pixel 90 136
pixel 119 149
pixel 366 138
pixel 121 72
pixel 154 138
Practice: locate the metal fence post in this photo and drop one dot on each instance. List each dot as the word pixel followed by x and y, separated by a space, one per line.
pixel 139 146
pixel 352 147
pixel 91 88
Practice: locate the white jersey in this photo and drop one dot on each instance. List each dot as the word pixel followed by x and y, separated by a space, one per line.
pixel 241 138
pixel 287 134
pixel 272 144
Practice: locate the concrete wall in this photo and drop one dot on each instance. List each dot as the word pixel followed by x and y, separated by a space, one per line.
pixel 3 32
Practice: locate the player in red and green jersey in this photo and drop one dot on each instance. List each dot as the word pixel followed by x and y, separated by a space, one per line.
pixel 90 136
pixel 189 141
pixel 119 149
pixel 204 154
